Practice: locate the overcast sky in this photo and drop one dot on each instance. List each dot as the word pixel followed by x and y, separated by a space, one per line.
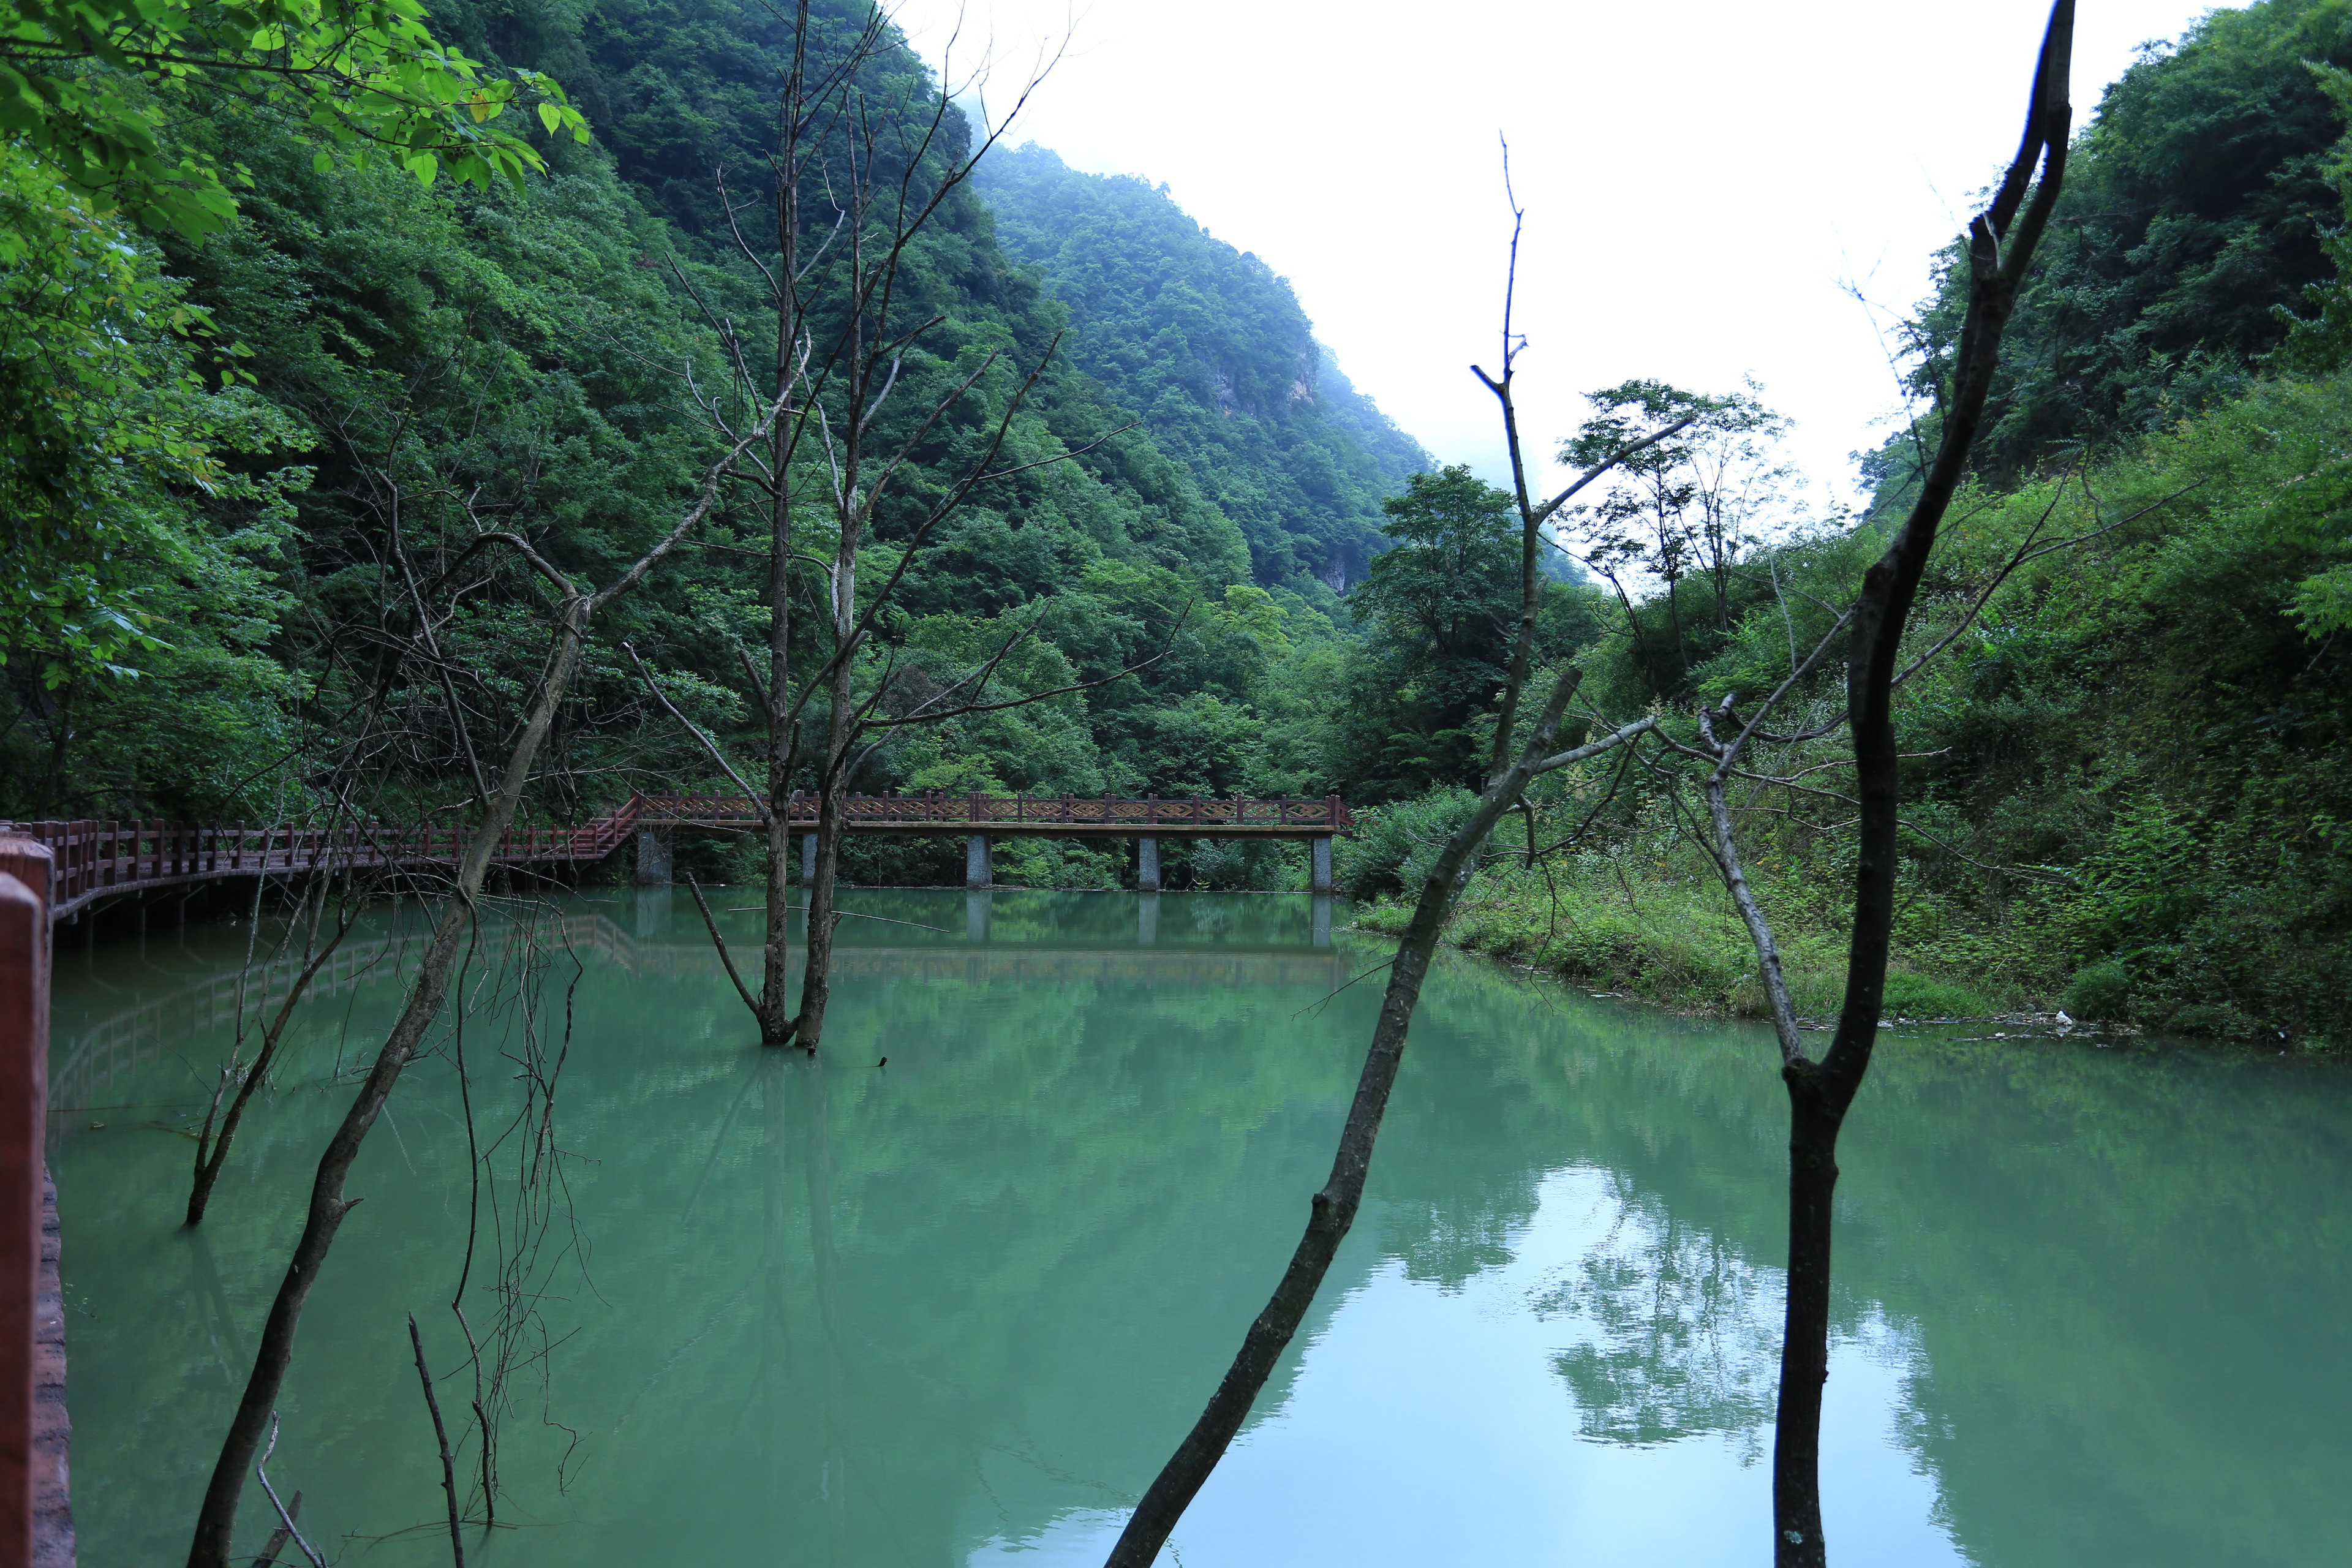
pixel 1704 182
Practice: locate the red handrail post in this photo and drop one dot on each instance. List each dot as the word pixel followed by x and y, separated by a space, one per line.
pixel 32 1344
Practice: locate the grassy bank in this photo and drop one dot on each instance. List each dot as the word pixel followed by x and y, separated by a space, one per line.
pixel 1677 943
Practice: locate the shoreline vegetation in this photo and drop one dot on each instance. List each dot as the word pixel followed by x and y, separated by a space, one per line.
pixel 1680 947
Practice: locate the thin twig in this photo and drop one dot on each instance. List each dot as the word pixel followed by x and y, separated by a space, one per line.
pixel 284 1518
pixel 441 1440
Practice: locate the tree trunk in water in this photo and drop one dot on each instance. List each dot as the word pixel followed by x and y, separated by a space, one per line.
pixel 1820 1093
pixel 775 1023
pixel 1332 1210
pixel 816 980
pixel 217 1520
pixel 1805 1337
pixel 774 1012
pixel 841 738
pixel 212 1148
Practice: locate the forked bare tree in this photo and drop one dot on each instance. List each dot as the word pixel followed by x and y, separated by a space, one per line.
pixel 575 608
pixel 1332 1209
pixel 241 1078
pixel 867 159
pixel 2000 244
pixel 2000 247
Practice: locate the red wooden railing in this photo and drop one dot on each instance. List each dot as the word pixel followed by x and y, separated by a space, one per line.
pixel 99 859
pixel 903 812
pixel 36 1523
pixel 93 860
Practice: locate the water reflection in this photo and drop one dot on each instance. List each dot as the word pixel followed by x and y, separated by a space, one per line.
pixel 959 1307
pixel 1682 1331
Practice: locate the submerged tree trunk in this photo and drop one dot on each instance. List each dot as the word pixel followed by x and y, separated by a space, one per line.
pixel 217 1520
pixel 769 1010
pixel 1822 1092
pixel 816 980
pixel 213 1142
pixel 1332 1210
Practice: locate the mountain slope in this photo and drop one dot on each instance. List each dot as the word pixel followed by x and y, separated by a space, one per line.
pixel 1211 351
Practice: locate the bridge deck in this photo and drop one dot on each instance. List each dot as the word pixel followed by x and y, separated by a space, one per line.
pixel 97 861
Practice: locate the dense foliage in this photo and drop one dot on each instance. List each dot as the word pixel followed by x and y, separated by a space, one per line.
pixel 2192 226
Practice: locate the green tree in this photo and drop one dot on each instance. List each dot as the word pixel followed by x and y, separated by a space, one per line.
pixel 1212 352
pixel 90 85
pixel 1437 615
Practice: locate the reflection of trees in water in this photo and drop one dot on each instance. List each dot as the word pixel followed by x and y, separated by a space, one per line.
pixel 1475 1226
pixel 1685 1342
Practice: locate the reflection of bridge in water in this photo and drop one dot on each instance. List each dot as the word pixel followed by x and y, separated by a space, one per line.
pixel 90 1060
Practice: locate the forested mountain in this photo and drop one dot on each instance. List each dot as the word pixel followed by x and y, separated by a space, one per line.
pixel 1212 352
pixel 364 370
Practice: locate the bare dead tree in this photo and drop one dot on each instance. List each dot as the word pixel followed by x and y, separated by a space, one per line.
pixel 219 1129
pixel 575 608
pixel 441 1442
pixel 511 1221
pixel 1332 1209
pixel 286 1528
pixel 860 174
pixel 1533 512
pixel 2000 244
pixel 280 1536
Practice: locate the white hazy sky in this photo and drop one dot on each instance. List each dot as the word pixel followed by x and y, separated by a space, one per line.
pixel 1704 180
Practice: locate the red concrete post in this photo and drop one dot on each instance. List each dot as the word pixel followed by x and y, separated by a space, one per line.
pixel 24 875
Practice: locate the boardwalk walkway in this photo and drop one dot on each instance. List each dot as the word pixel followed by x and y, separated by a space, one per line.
pixel 101 861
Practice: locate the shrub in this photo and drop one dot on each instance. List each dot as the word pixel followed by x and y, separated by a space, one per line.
pixel 2100 991
pixel 1395 846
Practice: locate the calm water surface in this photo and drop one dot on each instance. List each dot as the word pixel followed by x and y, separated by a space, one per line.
pixel 957 1310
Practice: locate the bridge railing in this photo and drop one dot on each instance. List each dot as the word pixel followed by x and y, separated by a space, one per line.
pixel 1327 812
pixel 94 858
pixel 35 1517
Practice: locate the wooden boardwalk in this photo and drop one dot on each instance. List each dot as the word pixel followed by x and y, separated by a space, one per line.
pixel 1029 816
pixel 100 861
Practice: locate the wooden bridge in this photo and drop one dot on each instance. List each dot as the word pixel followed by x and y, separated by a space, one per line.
pixel 99 862
pixel 1025 816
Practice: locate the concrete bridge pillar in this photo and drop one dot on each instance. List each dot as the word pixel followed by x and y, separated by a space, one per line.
pixel 652 859
pixel 808 858
pixel 1320 881
pixel 1147 865
pixel 977 870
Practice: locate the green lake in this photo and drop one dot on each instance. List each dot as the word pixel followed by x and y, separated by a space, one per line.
pixel 957 1310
